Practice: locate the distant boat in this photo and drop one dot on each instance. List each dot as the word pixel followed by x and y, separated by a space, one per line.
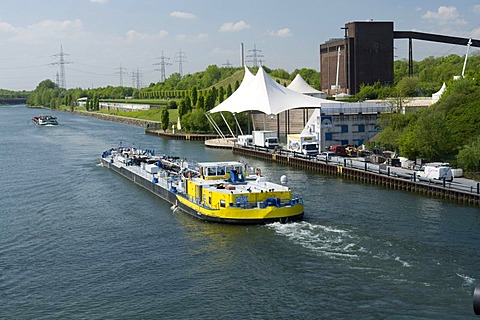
pixel 45 120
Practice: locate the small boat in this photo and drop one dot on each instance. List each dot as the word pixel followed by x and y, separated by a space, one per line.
pixel 45 120
pixel 219 191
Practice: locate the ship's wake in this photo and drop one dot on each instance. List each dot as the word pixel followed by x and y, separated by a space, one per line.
pixel 325 240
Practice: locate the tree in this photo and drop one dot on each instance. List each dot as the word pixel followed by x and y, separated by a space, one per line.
pixel 194 95
pixel 469 157
pixel 164 118
pixel 200 103
pixel 221 94
pixel 182 108
pixel 229 90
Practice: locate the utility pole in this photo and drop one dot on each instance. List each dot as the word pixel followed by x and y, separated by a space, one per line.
pixel 180 57
pixel 136 79
pixel 57 80
pixel 228 64
pixel 256 57
pixel 121 71
pixel 162 64
pixel 61 62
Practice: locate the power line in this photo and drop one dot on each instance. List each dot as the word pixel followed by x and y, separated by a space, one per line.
pixel 136 78
pixel 227 64
pixel 120 72
pixel 180 58
pixel 162 64
pixel 256 57
pixel 61 62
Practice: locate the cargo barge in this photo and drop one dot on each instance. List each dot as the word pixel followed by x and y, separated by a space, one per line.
pixel 213 191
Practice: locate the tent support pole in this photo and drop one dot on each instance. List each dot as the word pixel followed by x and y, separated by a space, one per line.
pixel 215 126
pixel 278 126
pixel 287 121
pixel 229 129
pixel 238 124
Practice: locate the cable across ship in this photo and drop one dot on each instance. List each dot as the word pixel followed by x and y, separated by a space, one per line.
pixel 213 191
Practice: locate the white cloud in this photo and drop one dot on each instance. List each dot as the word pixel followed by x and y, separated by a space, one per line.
pixel 234 26
pixel 282 33
pixel 476 8
pixel 46 30
pixel 182 15
pixel 134 36
pixel 221 52
pixel 197 38
pixel 445 16
pixel 6 27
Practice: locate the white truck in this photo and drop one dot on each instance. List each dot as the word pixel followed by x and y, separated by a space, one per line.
pixel 303 143
pixel 266 139
pixel 245 140
pixel 436 171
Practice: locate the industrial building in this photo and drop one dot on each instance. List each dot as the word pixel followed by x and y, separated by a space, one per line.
pixel 363 56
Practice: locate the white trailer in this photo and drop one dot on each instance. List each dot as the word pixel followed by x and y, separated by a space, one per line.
pixel 436 172
pixel 266 139
pixel 303 143
pixel 245 140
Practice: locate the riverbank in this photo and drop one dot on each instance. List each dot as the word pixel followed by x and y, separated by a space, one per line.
pixel 114 118
pixel 387 178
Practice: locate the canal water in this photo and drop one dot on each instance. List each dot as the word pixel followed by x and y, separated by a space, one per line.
pixel 78 241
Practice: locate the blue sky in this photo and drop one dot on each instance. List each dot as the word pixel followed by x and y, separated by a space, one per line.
pixel 99 36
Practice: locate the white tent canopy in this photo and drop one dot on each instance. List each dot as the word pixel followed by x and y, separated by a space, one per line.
pixel 436 96
pixel 300 85
pixel 263 94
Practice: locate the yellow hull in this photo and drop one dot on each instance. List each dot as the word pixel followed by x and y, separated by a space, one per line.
pixel 241 215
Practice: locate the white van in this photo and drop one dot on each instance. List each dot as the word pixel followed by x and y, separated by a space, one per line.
pixel 437 172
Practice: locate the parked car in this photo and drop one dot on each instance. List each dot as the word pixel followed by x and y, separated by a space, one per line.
pixel 326 156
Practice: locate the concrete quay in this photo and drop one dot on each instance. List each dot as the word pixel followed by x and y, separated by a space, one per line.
pixel 388 178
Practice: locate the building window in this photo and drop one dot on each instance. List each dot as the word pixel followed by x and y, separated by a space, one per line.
pixel 328 136
pixel 344 128
pixel 361 128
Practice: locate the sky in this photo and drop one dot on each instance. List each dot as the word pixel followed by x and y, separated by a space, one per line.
pixel 110 42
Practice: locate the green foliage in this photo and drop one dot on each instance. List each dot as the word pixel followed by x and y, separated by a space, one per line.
pixel 469 157
pixel 196 121
pixel 194 95
pixel 200 103
pixel 409 87
pixel 375 91
pixel 447 131
pixel 8 94
pixel 164 118
pixel 172 104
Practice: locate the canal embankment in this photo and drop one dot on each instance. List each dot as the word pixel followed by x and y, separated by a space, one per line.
pixel 383 176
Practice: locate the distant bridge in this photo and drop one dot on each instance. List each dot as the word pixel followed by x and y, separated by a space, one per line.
pixel 13 100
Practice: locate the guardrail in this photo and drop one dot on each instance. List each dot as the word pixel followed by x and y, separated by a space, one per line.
pixel 369 172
